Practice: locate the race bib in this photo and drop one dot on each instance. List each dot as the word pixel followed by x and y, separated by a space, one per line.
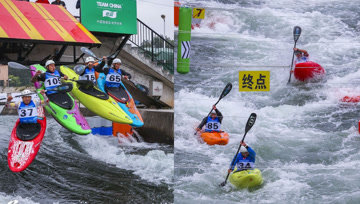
pixel 245 165
pixel 50 82
pixel 27 112
pixel 114 78
pixel 215 126
pixel 89 77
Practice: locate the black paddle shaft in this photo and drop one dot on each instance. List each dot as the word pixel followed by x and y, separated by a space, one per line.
pixel 296 33
pixel 249 124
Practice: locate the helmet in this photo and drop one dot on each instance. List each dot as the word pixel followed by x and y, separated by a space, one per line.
pixel 49 62
pixel 243 150
pixel 89 59
pixel 117 60
pixel 25 92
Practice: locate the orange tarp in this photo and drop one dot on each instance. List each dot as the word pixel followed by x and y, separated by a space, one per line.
pixel 33 21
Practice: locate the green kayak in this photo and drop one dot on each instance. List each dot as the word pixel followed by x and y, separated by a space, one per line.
pixel 63 107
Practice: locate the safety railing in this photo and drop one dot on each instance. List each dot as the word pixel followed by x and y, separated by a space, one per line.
pixel 154 46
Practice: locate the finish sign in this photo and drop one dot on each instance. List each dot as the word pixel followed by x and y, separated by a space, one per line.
pixel 254 80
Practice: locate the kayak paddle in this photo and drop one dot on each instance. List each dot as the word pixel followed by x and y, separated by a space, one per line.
pixel 89 52
pixel 296 33
pixel 249 124
pixel 225 92
pixel 62 88
pixel 16 65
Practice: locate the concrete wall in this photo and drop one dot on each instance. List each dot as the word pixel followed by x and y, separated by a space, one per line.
pixel 158 124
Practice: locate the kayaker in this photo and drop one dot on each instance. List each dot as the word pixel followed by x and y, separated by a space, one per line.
pixel 27 108
pixel 213 122
pixel 301 55
pixel 245 160
pixel 88 73
pixel 51 77
pixel 114 74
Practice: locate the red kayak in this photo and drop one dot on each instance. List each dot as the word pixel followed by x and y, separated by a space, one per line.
pixel 308 70
pixel 351 99
pixel 25 142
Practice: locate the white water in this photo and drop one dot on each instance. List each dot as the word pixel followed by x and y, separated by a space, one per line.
pixel 306 140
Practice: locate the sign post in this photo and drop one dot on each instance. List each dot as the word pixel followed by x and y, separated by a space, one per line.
pixel 109 16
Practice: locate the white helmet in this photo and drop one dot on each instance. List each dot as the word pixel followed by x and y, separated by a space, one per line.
pixel 117 60
pixel 26 91
pixel 49 62
pixel 243 149
pixel 89 59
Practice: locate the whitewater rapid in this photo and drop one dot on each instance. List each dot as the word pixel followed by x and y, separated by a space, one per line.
pixel 305 139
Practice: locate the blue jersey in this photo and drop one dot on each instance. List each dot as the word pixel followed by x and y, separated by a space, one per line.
pixel 212 125
pixel 242 163
pixel 89 74
pixel 301 59
pixel 28 113
pixel 52 80
pixel 113 78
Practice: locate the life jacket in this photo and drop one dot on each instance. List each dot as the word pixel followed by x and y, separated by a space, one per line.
pixel 28 113
pixel 301 59
pixel 113 78
pixel 52 80
pixel 212 125
pixel 89 74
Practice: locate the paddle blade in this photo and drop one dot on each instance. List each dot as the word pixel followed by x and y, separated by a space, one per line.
pixel 226 90
pixel 88 52
pixel 297 33
pixel 65 87
pixel 250 122
pixel 79 69
pixel 16 65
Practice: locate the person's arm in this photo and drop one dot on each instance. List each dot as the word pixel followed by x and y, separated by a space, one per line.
pixel 203 122
pixel 63 75
pixel 38 77
pixel 219 115
pixel 306 54
pixel 252 153
pixel 124 73
pixel 99 67
pixel 11 105
pixel 234 161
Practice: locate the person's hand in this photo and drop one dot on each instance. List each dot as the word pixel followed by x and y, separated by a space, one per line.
pixel 243 144
pixel 104 58
pixel 9 98
pixel 214 107
pixel 42 92
pixel 126 77
pixel 295 49
pixel 66 77
pixel 229 171
pixel 198 129
pixel 38 73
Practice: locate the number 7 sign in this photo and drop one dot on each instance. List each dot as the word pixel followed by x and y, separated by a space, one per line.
pixel 199 13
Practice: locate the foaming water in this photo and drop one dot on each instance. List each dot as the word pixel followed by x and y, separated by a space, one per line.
pixel 306 140
pixel 70 168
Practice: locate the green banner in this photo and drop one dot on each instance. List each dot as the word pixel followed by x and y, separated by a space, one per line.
pixel 110 16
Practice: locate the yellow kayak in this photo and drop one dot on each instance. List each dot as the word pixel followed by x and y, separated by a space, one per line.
pixel 246 178
pixel 96 101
